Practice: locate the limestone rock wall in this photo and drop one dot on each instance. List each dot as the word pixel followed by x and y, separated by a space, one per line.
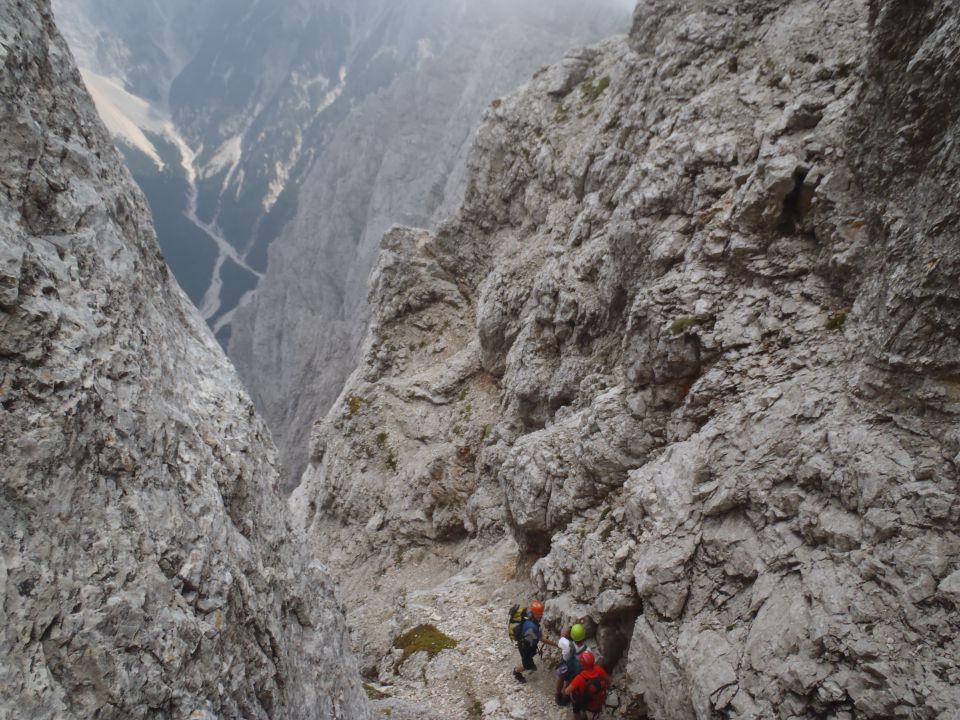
pixel 147 566
pixel 700 299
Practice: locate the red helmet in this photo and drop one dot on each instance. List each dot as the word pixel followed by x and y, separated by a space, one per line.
pixel 586 660
pixel 536 609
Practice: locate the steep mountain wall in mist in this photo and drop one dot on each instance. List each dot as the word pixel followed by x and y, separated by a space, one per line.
pixel 148 567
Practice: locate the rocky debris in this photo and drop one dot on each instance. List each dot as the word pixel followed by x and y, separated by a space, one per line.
pixel 148 567
pixel 475 679
pixel 399 156
pixel 710 298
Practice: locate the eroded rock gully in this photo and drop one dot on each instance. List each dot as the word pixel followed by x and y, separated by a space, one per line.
pixel 147 564
pixel 692 341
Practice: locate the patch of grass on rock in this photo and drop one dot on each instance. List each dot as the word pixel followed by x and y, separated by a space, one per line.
pixel 836 321
pixel 592 89
pixel 682 323
pixel 607 531
pixel 354 403
pixel 373 693
pixel 427 638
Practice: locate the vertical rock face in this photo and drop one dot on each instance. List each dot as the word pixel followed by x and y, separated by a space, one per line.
pixel 147 567
pixel 399 156
pixel 694 332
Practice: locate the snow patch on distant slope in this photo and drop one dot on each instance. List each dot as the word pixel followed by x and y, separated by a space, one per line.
pixel 126 115
pixel 282 169
pixel 228 156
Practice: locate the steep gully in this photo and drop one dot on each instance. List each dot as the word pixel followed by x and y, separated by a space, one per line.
pixel 211 300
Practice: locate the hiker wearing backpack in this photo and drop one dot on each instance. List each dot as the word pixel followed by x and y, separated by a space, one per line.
pixel 571 646
pixel 588 690
pixel 524 629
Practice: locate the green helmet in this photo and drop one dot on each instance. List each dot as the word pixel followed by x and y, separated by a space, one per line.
pixel 578 633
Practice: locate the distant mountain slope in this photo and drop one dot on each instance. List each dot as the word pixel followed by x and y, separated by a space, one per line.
pixel 219 107
pixel 399 156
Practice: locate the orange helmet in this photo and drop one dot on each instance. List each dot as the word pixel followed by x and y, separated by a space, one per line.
pixel 536 609
pixel 586 660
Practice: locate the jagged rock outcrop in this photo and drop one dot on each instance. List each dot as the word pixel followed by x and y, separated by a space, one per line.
pixel 701 300
pixel 148 568
pixel 398 157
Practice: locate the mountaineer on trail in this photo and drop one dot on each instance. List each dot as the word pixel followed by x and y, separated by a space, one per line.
pixel 565 646
pixel 588 690
pixel 524 629
pixel 571 646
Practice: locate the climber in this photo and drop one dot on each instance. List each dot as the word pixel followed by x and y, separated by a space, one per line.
pixel 588 690
pixel 564 644
pixel 528 637
pixel 571 646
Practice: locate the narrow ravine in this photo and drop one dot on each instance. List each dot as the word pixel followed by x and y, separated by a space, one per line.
pixel 212 298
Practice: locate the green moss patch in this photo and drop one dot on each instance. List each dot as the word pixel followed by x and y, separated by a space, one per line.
pixel 373 693
pixel 836 321
pixel 592 89
pixel 425 638
pixel 682 323
pixel 607 531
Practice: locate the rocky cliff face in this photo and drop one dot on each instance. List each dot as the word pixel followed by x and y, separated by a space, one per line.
pixel 399 156
pixel 148 568
pixel 692 340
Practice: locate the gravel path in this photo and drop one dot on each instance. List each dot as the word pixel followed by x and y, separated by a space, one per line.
pixel 475 679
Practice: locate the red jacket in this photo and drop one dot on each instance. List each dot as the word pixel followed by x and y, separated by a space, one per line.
pixel 590 695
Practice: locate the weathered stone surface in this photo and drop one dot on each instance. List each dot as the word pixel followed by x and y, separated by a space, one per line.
pixel 714 290
pixel 148 568
pixel 400 156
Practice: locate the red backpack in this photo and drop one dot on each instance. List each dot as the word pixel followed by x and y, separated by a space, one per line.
pixel 593 697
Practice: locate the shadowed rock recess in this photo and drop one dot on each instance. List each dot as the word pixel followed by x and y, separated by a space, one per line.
pixel 692 339
pixel 148 568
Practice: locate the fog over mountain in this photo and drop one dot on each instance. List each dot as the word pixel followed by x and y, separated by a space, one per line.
pixel 318 123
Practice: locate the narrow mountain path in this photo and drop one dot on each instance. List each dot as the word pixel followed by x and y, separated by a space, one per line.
pixel 475 679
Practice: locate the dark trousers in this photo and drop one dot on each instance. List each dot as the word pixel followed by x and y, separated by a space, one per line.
pixel 526 656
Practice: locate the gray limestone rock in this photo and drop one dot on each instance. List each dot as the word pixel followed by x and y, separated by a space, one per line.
pixel 711 294
pixel 147 565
